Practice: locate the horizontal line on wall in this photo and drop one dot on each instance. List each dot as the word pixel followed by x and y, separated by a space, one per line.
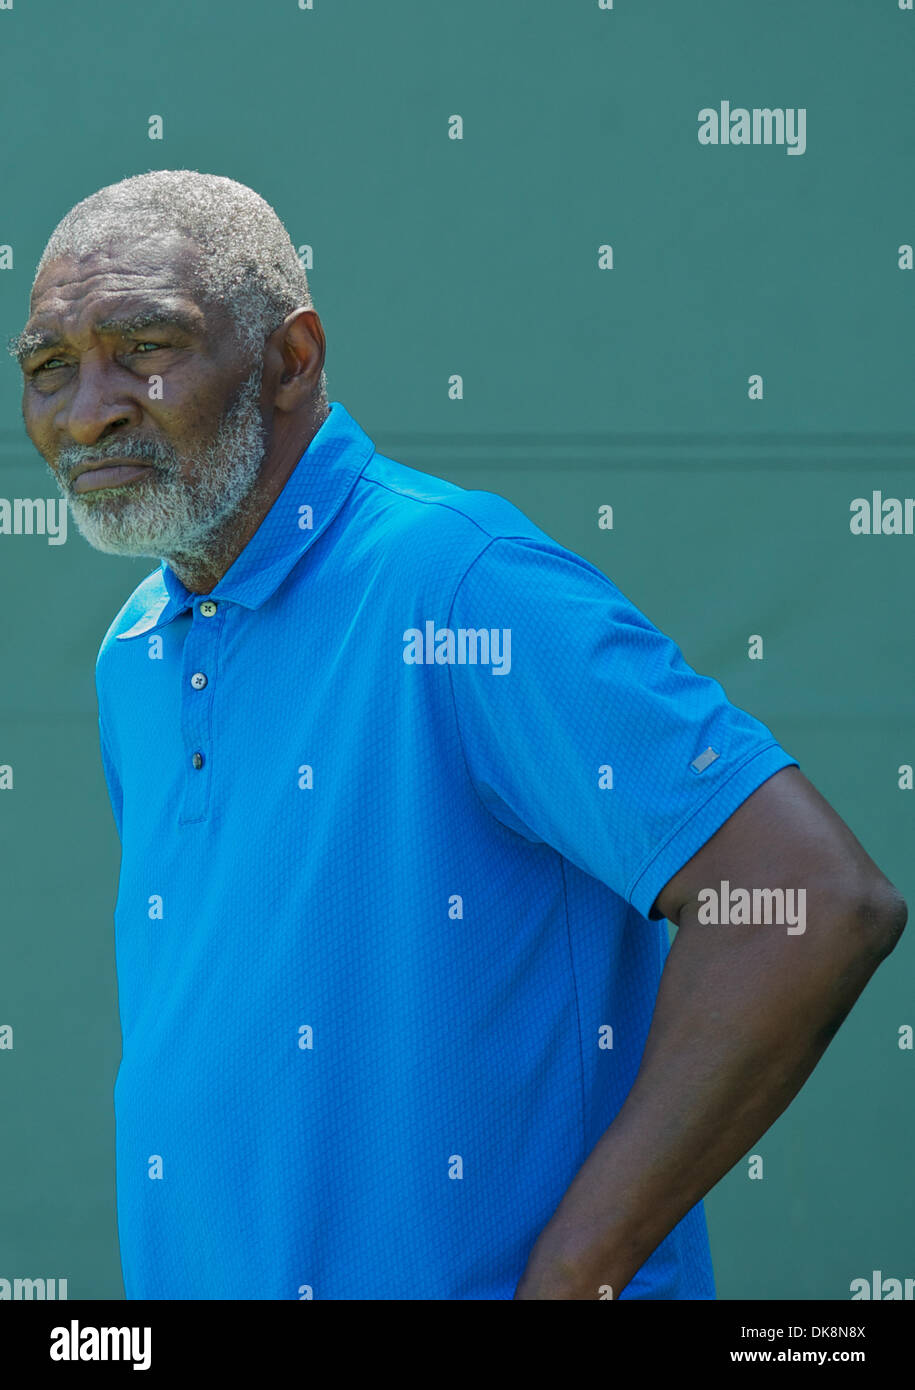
pixel 652 451
pixel 709 452
pixel 685 438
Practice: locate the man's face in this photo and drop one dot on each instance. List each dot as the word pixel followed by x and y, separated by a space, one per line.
pixel 181 451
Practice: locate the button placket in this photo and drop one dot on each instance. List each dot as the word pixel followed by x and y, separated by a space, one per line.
pixel 199 662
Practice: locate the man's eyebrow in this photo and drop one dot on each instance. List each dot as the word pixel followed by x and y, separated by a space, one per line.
pixel 30 340
pixel 151 318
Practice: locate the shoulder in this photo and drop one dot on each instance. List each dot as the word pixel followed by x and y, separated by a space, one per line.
pixel 432 523
pixel 421 502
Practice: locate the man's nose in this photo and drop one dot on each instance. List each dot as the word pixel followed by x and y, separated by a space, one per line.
pixel 98 405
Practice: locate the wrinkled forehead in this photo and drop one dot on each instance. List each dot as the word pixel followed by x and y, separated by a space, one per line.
pixel 121 264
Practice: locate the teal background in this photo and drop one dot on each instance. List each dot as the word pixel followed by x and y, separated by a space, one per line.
pixel 581 387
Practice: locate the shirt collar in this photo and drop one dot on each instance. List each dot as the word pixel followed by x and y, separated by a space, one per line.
pixel 311 497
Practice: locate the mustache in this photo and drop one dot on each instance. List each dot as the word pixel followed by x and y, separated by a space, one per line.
pixel 149 451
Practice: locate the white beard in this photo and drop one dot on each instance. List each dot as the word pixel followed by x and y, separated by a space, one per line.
pixel 168 514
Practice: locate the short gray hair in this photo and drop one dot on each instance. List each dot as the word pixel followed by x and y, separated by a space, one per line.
pixel 249 263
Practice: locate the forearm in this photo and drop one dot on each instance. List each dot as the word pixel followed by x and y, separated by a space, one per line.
pixel 740 1022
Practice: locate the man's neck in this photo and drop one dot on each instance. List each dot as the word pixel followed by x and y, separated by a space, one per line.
pixel 201 571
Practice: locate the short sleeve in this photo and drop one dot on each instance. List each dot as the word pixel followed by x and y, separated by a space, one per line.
pixel 113 782
pixel 584 728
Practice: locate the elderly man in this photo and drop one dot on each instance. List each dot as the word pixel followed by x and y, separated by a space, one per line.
pixel 405 791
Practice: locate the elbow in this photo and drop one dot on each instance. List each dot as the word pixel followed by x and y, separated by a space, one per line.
pixel 880 917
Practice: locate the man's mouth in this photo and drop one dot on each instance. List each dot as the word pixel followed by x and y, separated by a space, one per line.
pixel 107 473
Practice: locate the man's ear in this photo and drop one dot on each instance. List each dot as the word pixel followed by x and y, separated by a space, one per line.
pixel 296 349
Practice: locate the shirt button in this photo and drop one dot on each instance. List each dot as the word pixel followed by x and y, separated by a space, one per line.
pixel 198 680
pixel 197 760
pixel 208 608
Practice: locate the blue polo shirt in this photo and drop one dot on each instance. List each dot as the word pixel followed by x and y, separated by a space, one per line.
pixel 395 802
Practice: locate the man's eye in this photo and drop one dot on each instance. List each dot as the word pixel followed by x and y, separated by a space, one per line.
pixel 51 363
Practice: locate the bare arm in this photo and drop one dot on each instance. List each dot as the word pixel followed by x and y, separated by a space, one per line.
pixel 743 1014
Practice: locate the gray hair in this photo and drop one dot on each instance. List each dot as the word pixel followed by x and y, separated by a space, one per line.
pixel 249 263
